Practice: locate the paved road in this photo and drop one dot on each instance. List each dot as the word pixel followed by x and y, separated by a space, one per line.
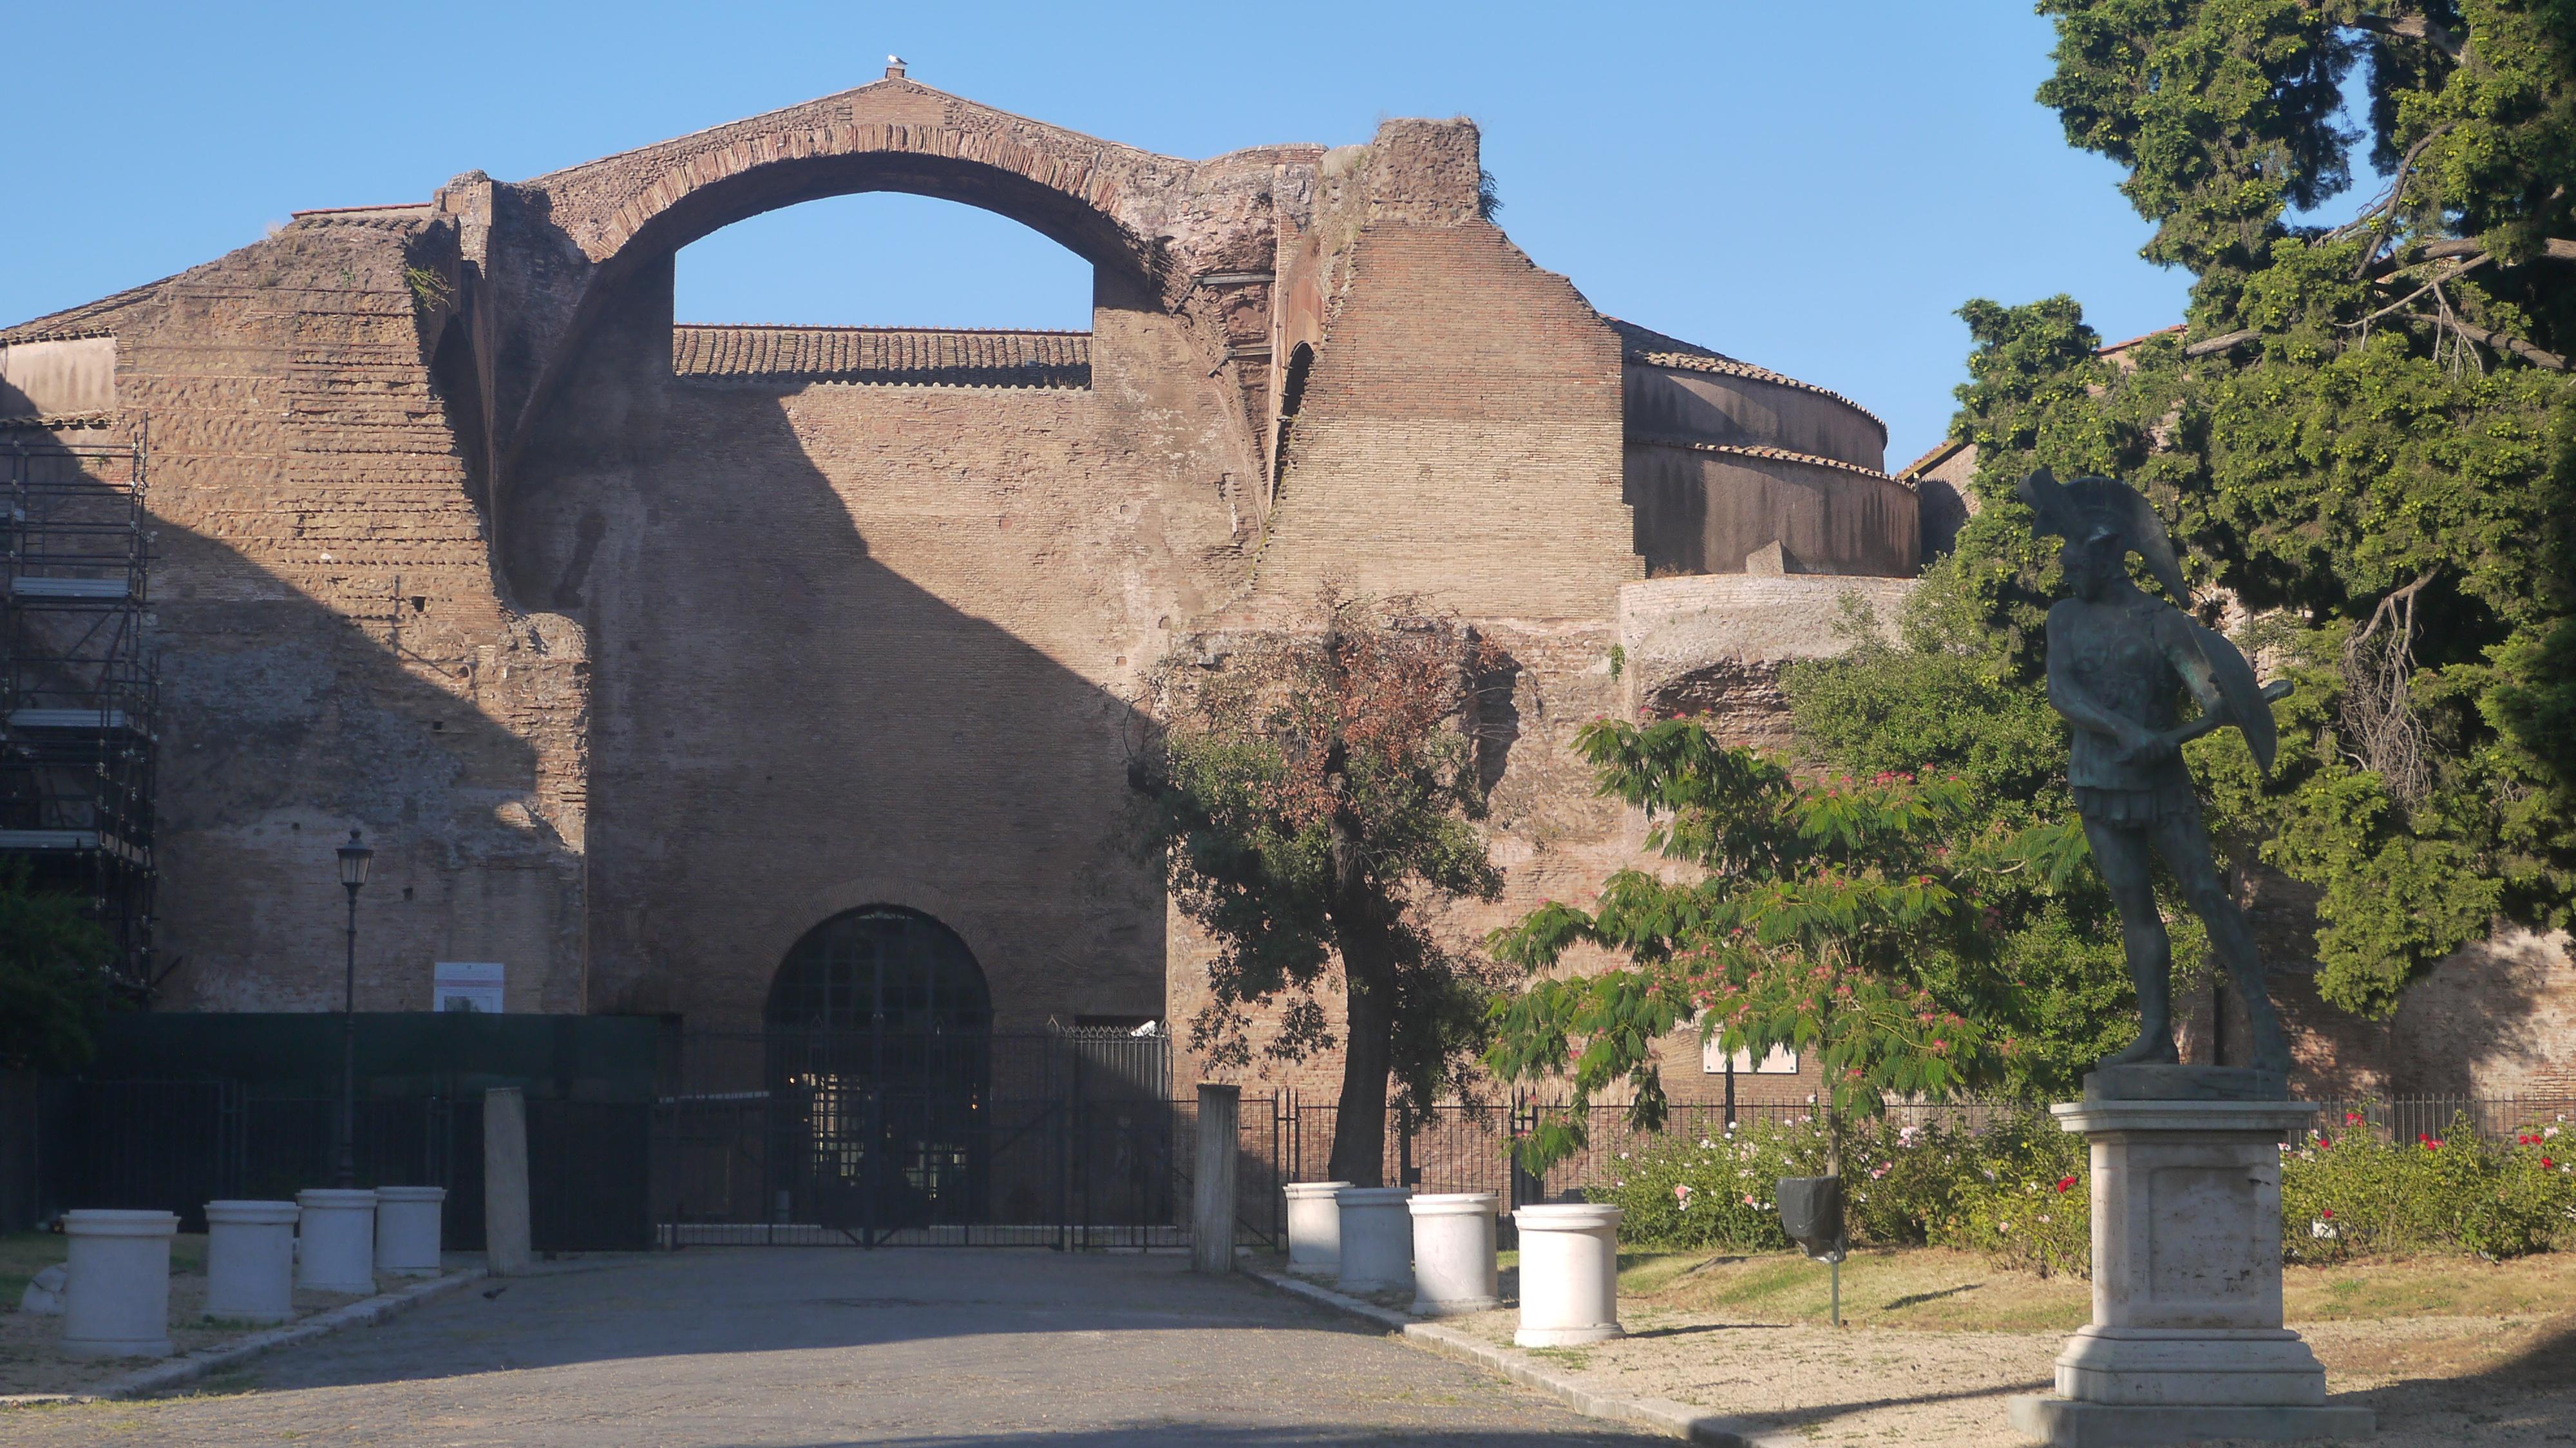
pixel 807 1347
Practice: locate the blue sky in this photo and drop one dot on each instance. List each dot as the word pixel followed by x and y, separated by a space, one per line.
pixel 1815 187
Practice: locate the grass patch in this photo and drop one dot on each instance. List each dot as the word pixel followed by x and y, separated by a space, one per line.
pixel 2445 1286
pixel 1933 1289
pixel 1926 1289
pixel 24 1254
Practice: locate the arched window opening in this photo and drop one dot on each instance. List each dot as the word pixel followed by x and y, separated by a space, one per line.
pixel 1292 396
pixel 883 288
pixel 879 1073
pixel 881 969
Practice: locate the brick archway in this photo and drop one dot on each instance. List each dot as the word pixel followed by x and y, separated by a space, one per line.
pixel 542 255
pixel 1103 201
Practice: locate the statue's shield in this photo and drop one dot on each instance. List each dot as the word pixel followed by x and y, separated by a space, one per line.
pixel 2236 684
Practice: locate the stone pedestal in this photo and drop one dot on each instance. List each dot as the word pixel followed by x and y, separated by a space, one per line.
pixel 1453 1253
pixel 1314 1227
pixel 337 1232
pixel 117 1288
pixel 1569 1274
pixel 2186 1340
pixel 250 1260
pixel 1377 1239
pixel 407 1230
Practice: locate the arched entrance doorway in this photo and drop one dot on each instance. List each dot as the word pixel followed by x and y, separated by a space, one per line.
pixel 880 1060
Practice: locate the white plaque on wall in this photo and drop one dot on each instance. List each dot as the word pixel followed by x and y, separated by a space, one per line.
pixel 1778 1061
pixel 465 985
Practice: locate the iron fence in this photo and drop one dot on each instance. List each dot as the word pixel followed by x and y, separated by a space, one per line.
pixel 2405 1118
pixel 1467 1148
pixel 175 1145
pixel 1102 1159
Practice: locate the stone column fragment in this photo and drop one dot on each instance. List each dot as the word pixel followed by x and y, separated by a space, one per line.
pixel 505 1181
pixel 1212 1197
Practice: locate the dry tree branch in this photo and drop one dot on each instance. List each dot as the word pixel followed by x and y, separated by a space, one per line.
pixel 2383 213
pixel 2515 345
pixel 2416 26
pixel 2433 286
pixel 2552 248
pixel 2376 716
pixel 2214 345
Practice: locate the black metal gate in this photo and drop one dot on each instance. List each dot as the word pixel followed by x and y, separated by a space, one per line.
pixel 1068 1139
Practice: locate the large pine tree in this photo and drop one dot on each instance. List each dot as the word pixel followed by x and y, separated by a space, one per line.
pixel 2365 437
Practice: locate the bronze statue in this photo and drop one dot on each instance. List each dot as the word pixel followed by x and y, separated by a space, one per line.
pixel 2117 661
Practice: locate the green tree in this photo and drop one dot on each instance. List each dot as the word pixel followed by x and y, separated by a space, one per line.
pixel 2365 439
pixel 1948 703
pixel 1840 918
pixel 1313 798
pixel 54 986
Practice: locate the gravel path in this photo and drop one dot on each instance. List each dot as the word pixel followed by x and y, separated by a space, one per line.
pixel 803 1347
pixel 2435 1382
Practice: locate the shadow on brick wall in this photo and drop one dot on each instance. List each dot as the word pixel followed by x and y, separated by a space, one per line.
pixel 288 719
pixel 784 727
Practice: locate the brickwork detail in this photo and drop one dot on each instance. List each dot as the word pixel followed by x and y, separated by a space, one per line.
pixel 639 649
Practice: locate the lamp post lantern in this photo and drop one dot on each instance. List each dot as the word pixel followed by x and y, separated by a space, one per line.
pixel 354 857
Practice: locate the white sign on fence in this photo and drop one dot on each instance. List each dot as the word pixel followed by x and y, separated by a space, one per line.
pixel 465 985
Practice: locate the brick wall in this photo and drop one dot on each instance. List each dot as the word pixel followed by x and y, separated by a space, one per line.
pixel 1460 437
pixel 865 644
pixel 335 653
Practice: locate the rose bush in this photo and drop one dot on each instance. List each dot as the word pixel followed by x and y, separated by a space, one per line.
pixel 2018 1190
pixel 2346 1195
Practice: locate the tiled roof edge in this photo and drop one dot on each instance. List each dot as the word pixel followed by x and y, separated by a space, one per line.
pixel 1658 349
pixel 1769 454
pixel 1934 457
pixel 882 331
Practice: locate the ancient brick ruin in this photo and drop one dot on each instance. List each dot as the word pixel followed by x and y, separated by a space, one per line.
pixel 638 650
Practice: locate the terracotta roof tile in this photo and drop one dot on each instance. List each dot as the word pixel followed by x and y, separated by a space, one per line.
pixel 1939 453
pixel 1772 454
pixel 1655 349
pixel 915 356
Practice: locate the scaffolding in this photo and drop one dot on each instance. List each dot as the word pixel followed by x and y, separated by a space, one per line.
pixel 78 686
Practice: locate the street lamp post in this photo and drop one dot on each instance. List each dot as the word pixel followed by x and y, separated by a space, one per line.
pixel 353 874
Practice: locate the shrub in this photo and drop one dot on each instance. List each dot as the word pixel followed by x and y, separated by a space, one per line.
pixel 1903 1184
pixel 1716 1191
pixel 2348 1195
pixel 2019 1191
pixel 54 981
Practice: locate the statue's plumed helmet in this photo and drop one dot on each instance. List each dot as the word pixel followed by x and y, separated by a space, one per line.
pixel 2087 510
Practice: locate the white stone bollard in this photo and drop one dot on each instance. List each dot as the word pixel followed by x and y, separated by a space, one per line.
pixel 1569 1274
pixel 1453 1254
pixel 117 1299
pixel 250 1260
pixel 1314 1227
pixel 1377 1238
pixel 338 1240
pixel 407 1230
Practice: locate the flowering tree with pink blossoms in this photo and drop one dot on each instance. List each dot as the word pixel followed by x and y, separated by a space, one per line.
pixel 1837 917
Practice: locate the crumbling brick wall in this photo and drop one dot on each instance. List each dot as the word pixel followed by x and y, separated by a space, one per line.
pixel 335 651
